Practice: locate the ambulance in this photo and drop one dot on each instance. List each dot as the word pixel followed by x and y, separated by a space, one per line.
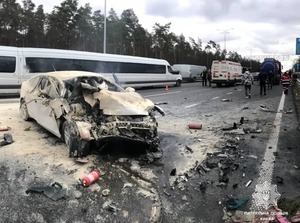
pixel 226 72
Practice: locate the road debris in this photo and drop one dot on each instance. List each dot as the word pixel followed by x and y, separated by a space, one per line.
pixel 226 100
pixel 230 128
pixel 203 186
pixel 166 193
pixel 91 178
pixel 81 160
pixel 248 183
pixel 105 192
pixel 27 129
pixel 5 128
pixel 289 111
pixel 161 103
pixel 53 191
pixel 279 180
pixel 189 149
pixel 173 172
pixel 7 139
pixel 235 203
pixel 195 126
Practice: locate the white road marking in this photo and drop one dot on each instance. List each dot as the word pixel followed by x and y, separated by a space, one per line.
pixel 239 89
pixel 230 93
pixel 166 93
pixel 259 201
pixel 193 105
pixel 214 98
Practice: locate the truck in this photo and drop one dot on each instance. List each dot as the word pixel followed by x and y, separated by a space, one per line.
pixel 226 72
pixel 189 72
pixel 272 65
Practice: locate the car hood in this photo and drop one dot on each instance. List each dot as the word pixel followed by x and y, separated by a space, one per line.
pixel 120 103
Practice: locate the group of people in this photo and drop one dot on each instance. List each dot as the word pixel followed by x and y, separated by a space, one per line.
pixel 265 79
pixel 206 76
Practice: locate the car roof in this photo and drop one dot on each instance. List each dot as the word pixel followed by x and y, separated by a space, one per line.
pixel 66 75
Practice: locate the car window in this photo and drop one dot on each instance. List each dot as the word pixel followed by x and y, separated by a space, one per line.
pixel 48 87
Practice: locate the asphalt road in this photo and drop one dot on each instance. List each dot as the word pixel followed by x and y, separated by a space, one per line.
pixel 191 183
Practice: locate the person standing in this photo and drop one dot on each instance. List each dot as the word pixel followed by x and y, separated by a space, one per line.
pixel 270 80
pixel 262 77
pixel 247 82
pixel 204 78
pixel 209 77
pixel 286 81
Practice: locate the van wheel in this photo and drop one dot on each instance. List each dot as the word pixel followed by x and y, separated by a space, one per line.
pixel 24 111
pixel 77 146
pixel 178 83
pixel 219 85
pixel 194 79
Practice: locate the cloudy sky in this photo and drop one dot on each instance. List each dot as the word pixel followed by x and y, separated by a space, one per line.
pixel 250 27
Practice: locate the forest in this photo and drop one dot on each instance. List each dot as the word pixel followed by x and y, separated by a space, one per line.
pixel 74 27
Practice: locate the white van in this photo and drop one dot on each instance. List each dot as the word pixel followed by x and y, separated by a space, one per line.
pixel 189 72
pixel 18 64
pixel 226 72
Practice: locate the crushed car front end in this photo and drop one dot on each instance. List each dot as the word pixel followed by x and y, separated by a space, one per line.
pixel 104 114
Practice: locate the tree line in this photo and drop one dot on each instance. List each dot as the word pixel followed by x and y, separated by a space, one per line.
pixel 74 27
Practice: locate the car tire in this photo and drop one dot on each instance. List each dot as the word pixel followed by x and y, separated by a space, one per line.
pixel 24 110
pixel 77 146
pixel 178 83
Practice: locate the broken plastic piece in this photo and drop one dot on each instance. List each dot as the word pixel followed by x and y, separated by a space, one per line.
pixel 234 203
pixel 7 139
pixel 173 172
pixel 226 100
pixel 54 191
pixel 248 183
pixel 194 126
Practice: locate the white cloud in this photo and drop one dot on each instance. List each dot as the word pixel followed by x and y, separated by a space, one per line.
pixel 257 27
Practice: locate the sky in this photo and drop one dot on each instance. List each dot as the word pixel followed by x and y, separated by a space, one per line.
pixel 255 28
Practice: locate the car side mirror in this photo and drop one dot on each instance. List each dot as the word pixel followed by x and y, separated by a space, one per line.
pixel 130 89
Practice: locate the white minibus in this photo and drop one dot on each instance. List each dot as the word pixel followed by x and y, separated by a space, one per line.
pixel 18 64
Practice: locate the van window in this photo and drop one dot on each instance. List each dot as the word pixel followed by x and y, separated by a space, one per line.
pixel 7 64
pixel 56 64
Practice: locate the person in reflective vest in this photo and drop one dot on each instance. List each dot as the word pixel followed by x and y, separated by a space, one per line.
pixel 285 81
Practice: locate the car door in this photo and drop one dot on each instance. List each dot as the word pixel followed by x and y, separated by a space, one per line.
pixel 38 104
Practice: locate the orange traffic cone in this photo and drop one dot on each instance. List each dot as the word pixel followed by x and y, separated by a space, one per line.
pixel 167 88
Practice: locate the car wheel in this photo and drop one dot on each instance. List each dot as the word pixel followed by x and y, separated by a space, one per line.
pixel 77 146
pixel 24 111
pixel 178 83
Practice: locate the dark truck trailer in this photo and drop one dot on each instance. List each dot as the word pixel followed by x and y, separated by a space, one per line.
pixel 272 65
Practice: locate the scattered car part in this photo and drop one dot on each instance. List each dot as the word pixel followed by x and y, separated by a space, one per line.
pixel 7 139
pixel 248 183
pixel 53 191
pixel 235 203
pixel 173 172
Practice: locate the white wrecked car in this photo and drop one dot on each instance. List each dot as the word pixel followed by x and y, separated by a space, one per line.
pixel 84 107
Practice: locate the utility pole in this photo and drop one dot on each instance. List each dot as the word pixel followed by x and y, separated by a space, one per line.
pixel 225 32
pixel 104 37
